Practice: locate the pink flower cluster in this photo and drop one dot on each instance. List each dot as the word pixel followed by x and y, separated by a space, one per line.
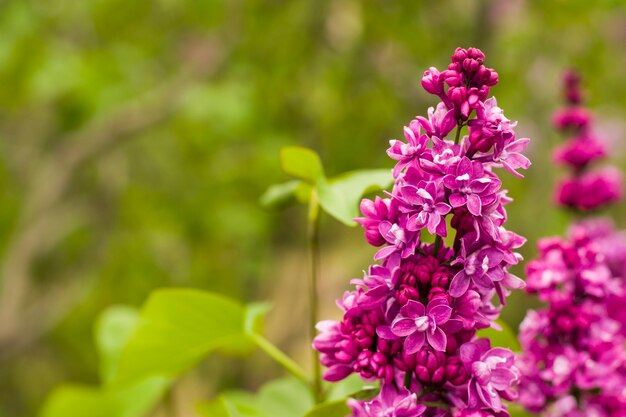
pixel 411 322
pixel 583 190
pixel 574 359
pixel 574 362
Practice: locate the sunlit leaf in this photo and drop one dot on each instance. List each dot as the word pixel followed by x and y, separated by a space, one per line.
pixel 301 163
pixel 501 338
pixel 285 397
pixel 254 315
pixel 83 401
pixel 337 408
pixel 348 386
pixel 177 328
pixel 281 195
pixel 112 330
pixel 341 195
pixel 515 410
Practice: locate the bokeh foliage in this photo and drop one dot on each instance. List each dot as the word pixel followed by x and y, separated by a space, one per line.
pixel 136 138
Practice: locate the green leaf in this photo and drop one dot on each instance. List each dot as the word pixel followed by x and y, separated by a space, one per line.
pixel 302 163
pixel 177 328
pixel 254 317
pixel 515 410
pixel 113 329
pixel 230 404
pixel 505 338
pixel 347 387
pixel 285 194
pixel 286 397
pixel 83 401
pixel 341 195
pixel 337 408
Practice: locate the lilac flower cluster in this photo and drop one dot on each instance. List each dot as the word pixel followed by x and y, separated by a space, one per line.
pixel 574 359
pixel 583 190
pixel 411 322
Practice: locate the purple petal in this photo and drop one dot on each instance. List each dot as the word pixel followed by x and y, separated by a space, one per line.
pixel 442 229
pixel 433 222
pixel 502 378
pixel 403 327
pixel 469 353
pixel 514 282
pixel 518 146
pixel 464 167
pixel 459 285
pixel 414 342
pixel 452 326
pixel 474 205
pixel 450 182
pixel 442 209
pixel 457 200
pixel 437 339
pixel 384 252
pixel 440 313
pixel 482 280
pixel 413 309
pixel 385 332
pixel 491 401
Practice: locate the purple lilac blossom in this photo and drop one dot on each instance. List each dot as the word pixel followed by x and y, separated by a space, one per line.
pixel 411 321
pixel 586 189
pixel 573 360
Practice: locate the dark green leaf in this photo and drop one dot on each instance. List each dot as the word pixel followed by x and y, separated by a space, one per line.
pixel 302 163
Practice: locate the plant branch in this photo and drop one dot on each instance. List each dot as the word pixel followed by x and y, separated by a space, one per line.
pixel 313 249
pixel 280 357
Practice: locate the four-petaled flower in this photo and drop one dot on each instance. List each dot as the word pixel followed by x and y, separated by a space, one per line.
pixel 419 324
pixel 492 374
pixel 440 122
pixel 427 199
pixel 414 147
pixel 470 186
pixel 389 403
pixel 482 267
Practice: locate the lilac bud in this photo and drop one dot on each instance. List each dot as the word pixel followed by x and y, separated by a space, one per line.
pixel 459 55
pixel 432 82
pixel 430 366
pixel 455 373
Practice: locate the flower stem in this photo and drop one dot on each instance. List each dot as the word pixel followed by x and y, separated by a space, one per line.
pixel 408 379
pixel 313 249
pixel 436 246
pixel 458 133
pixel 279 356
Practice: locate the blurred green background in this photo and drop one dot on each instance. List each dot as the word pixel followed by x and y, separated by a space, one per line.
pixel 137 136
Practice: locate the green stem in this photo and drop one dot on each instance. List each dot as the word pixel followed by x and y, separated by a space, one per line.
pixel 408 379
pixel 279 356
pixel 313 249
pixel 458 134
pixel 436 246
pixel 441 405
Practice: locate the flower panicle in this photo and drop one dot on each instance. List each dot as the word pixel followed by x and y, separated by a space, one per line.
pixel 573 361
pixel 586 188
pixel 411 321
